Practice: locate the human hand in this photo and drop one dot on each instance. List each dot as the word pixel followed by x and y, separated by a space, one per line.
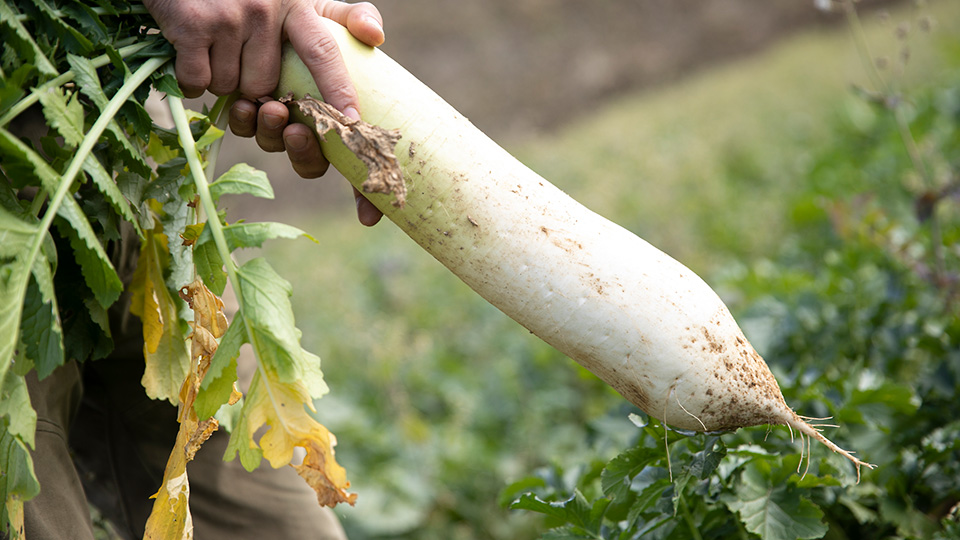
pixel 227 46
pixel 270 125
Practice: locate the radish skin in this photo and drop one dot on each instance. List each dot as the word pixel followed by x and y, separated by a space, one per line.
pixel 638 319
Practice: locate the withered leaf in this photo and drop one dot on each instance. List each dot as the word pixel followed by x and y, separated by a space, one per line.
pixel 170 517
pixel 282 407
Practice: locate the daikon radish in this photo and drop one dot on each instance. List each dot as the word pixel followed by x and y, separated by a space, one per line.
pixel 626 311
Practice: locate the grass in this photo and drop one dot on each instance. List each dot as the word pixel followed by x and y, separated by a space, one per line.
pixel 438 399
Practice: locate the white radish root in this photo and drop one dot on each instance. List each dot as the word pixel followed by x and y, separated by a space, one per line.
pixel 626 311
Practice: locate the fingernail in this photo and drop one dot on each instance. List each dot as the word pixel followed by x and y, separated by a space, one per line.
pixel 272 120
pixel 295 142
pixel 352 113
pixel 373 21
pixel 243 115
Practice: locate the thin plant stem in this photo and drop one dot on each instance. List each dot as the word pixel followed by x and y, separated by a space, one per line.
pixel 220 113
pixel 192 155
pixel 216 229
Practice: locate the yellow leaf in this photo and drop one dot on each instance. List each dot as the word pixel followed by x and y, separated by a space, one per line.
pixel 164 349
pixel 207 308
pixel 281 406
pixel 14 507
pixel 170 517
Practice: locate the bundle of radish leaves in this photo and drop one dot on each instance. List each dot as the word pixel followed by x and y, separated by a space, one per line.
pixel 626 311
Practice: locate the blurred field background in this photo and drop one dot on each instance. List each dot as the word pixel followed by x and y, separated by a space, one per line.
pixel 695 127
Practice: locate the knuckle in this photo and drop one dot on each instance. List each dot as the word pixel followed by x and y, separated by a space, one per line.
pixel 260 9
pixel 192 76
pixel 320 49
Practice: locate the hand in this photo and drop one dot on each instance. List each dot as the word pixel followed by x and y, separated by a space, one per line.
pixel 273 133
pixel 231 45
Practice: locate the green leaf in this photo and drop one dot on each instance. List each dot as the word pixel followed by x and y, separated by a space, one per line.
pixel 89 83
pixel 209 136
pixel 105 183
pixel 209 266
pixel 15 238
pixel 85 336
pixel 774 511
pixel 137 118
pixel 96 267
pixel 87 80
pixel 509 494
pixel 618 475
pixel 13 86
pixel 170 176
pixel 16 412
pixel 23 164
pixel 18 478
pixel 653 488
pixel 240 179
pixel 168 84
pixel 63 113
pixel 250 235
pixel 15 233
pixel 40 327
pixel 268 315
pixel 576 510
pixel 243 445
pixel 701 466
pixel 218 382
pixel 311 375
pixel 217 393
pixel 131 154
pixel 23 41
pixel 54 23
pixel 88 20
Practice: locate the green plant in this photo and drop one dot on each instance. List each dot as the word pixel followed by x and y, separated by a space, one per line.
pixel 68 195
pixel 858 316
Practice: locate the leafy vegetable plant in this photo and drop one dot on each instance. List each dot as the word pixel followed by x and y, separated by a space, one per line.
pixel 88 68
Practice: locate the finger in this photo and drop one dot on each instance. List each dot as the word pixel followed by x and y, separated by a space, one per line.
pixel 243 118
pixel 363 20
pixel 260 59
pixel 193 70
pixel 367 213
pixel 225 66
pixel 303 149
pixel 271 119
pixel 260 67
pixel 320 53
